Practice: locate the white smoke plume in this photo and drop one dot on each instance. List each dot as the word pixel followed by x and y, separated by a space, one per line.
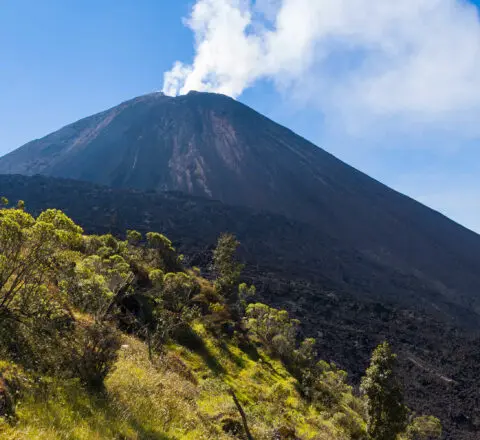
pixel 374 58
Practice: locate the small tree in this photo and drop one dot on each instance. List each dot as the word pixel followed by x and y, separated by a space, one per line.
pixel 386 413
pixel 424 428
pixel 273 328
pixel 178 291
pixel 164 254
pixel 28 259
pixel 324 384
pixel 134 237
pixel 304 357
pixel 244 292
pixel 96 282
pixel 227 268
pixel 173 309
pixel 91 351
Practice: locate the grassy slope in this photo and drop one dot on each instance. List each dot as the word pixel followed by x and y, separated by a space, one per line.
pixel 184 395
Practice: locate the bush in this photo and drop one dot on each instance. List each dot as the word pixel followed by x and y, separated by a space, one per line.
pixel 31 249
pixel 12 384
pixel 36 344
pixel 325 384
pixel 172 305
pixel 6 399
pixel 424 428
pixel 273 328
pixel 96 281
pixel 351 425
pixel 93 351
pixel 227 268
pixel 162 253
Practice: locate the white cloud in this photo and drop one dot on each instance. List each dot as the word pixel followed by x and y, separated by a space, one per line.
pixel 358 60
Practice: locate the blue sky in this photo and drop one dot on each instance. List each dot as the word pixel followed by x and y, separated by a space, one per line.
pixel 343 87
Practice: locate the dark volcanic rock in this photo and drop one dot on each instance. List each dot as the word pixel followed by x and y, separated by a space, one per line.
pixel 344 299
pixel 212 146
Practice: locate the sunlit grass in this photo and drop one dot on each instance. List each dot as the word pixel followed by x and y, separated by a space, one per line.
pixel 184 394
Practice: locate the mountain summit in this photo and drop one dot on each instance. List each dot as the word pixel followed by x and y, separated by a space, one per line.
pixel 212 146
pixel 202 144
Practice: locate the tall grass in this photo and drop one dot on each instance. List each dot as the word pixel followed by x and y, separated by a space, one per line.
pixel 184 394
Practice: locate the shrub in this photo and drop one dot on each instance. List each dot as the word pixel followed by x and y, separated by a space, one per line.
pixel 424 428
pixel 351 425
pixel 13 382
pixel 272 327
pixel 93 351
pixel 6 399
pixel 134 237
pixel 172 305
pixel 28 261
pixel 163 253
pixel 227 268
pixel 325 384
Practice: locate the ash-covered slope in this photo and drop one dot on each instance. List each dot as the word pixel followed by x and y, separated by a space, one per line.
pixel 212 146
pixel 348 301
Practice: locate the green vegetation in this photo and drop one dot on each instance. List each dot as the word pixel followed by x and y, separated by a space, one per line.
pixel 102 338
pixel 386 413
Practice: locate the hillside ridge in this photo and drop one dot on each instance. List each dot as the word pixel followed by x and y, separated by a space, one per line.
pixel 102 337
pixel 297 268
pixel 212 146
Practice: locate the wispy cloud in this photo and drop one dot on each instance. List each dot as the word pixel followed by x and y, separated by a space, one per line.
pixel 411 61
pixel 386 76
